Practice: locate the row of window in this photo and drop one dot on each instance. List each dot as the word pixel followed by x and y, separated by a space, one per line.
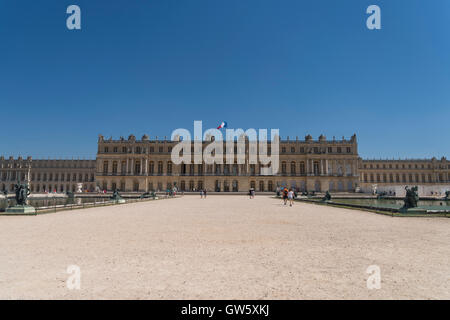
pixel 404 166
pixel 37 165
pixel 226 186
pixel 217 168
pixel 139 150
pixel 404 178
pixel 50 187
pixel 48 176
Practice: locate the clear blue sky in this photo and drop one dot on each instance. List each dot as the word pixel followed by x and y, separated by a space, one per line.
pixel 155 65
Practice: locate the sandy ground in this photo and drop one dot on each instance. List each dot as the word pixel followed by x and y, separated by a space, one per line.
pixel 224 247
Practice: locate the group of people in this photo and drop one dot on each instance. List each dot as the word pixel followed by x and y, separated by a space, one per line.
pixel 203 194
pixel 288 194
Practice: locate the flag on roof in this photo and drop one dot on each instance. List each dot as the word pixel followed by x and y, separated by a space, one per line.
pixel 222 125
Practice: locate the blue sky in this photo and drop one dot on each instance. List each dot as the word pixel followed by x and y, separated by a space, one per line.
pixel 156 65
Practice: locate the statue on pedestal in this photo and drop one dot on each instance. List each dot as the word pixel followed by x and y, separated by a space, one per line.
pixel 22 192
pixel 116 197
pixel 327 196
pixel 21 207
pixel 411 197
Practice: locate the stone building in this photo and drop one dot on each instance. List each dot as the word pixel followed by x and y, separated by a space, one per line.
pixel 47 175
pixel 431 175
pixel 145 165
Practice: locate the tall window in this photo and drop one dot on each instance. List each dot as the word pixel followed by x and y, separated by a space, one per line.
pixel 302 168
pixel 151 167
pixel 293 168
pixel 169 167
pixel 105 168
pixel 137 167
pixel 160 167
pixel 316 168
pixel 261 186
pixel 114 168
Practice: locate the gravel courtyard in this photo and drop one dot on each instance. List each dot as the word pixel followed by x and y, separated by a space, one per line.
pixel 223 247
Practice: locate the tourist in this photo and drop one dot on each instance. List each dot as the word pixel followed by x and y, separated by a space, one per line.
pixel 201 194
pixel 291 197
pixel 285 195
pixel 204 193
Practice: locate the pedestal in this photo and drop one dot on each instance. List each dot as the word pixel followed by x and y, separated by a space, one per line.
pixel 20 210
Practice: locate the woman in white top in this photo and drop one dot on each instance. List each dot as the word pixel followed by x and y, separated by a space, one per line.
pixel 291 197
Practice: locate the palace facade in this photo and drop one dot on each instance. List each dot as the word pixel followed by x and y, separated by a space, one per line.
pixel 134 165
pixel 47 175
pixel 144 165
pixel 314 165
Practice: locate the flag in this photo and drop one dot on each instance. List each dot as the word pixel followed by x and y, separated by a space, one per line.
pixel 222 125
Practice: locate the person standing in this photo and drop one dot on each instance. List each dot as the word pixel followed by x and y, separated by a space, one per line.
pixel 201 194
pixel 285 195
pixel 204 193
pixel 291 197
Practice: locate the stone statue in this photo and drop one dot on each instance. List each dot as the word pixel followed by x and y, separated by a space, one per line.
pixel 22 192
pixel 447 195
pixel 69 194
pixel 116 195
pixel 382 195
pixel 327 196
pixel 411 197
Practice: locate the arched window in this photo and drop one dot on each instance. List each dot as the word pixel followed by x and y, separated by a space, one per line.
pixel 293 168
pixel 302 168
pixel 151 167
pixel 137 167
pixel 160 167
pixel 316 168
pixel 235 186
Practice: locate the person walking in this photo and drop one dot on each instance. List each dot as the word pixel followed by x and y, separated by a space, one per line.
pixel 291 197
pixel 204 193
pixel 201 194
pixel 285 195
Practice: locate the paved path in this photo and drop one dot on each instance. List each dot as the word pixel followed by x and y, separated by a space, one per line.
pixel 223 247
